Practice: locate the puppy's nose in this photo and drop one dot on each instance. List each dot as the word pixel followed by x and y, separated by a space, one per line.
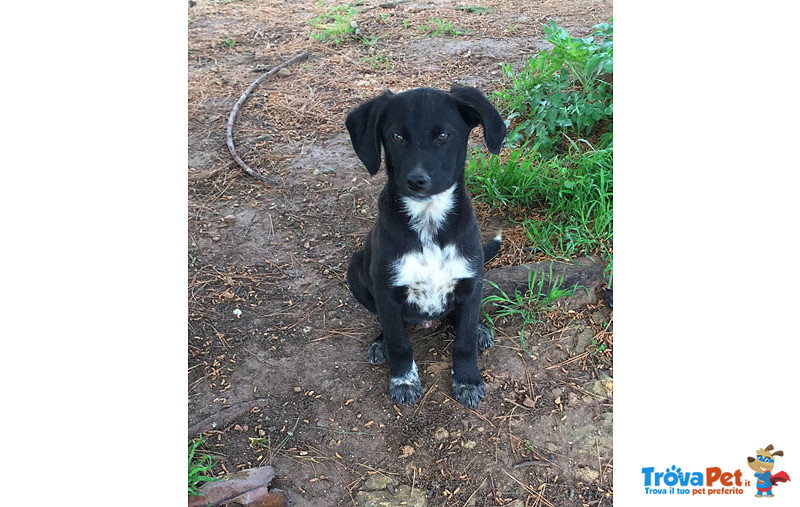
pixel 418 181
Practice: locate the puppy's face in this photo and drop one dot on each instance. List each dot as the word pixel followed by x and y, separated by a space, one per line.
pixel 424 134
pixel 425 139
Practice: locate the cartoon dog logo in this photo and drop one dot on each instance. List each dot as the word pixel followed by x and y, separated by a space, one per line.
pixel 763 464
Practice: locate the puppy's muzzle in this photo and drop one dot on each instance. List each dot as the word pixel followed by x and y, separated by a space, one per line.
pixel 418 181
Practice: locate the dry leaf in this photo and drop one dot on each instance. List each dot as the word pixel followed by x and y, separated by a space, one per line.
pixel 406 451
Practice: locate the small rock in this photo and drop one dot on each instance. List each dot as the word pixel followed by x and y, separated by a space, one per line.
pixel 586 474
pixel 455 434
pixel 608 385
pixel 597 388
pixel 583 340
pixel 469 444
pixel 297 389
pixel 516 503
pixel 377 482
pixel 329 170
pixel 599 318
pixel 317 172
pixel 284 72
pixel 440 434
pixel 404 496
pixel 229 219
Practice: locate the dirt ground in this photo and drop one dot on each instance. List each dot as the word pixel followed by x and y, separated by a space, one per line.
pixel 278 372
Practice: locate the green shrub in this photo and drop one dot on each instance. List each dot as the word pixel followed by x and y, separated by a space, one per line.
pixel 562 90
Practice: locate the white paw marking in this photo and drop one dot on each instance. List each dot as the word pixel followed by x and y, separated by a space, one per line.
pixel 411 378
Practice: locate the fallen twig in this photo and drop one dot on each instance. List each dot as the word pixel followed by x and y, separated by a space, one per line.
pixel 225 416
pixel 235 113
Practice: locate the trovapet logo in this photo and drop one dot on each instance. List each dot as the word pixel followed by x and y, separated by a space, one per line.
pixel 712 481
pixel 717 481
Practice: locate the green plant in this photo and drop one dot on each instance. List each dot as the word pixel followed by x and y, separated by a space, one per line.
pixel 199 468
pixel 260 442
pixel 438 26
pixel 474 9
pixel 527 305
pixel 598 348
pixel 379 60
pixel 564 89
pixel 335 24
pixel 572 193
pixel 230 42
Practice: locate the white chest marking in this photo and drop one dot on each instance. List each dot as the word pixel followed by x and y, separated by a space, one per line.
pixel 426 216
pixel 430 276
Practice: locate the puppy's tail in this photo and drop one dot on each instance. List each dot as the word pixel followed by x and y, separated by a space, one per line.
pixel 491 248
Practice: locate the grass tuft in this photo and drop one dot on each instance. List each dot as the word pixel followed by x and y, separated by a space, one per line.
pixel 199 468
pixel 528 305
pixel 335 24
pixel 438 26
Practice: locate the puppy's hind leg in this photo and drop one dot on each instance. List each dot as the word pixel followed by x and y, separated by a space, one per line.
pixel 356 283
pixel 485 337
pixel 376 353
pixel 485 333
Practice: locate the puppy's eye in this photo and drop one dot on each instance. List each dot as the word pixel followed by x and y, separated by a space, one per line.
pixel 397 137
pixel 442 136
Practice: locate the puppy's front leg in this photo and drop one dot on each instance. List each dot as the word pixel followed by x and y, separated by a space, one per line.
pixel 404 385
pixel 467 383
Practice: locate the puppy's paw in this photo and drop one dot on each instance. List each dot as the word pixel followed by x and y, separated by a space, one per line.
pixel 485 336
pixel 376 353
pixel 407 389
pixel 467 394
pixel 405 394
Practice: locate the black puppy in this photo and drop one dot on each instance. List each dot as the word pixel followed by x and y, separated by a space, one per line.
pixel 423 258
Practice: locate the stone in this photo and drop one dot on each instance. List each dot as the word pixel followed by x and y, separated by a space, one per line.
pixel 377 482
pixel 284 72
pixel 440 434
pixel 404 496
pixel 586 474
pixel 247 487
pixel 583 340
pixel 599 318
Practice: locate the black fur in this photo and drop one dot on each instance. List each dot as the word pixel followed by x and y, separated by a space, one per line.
pixel 423 134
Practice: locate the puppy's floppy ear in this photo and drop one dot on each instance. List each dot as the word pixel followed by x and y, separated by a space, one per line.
pixel 476 109
pixel 363 124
